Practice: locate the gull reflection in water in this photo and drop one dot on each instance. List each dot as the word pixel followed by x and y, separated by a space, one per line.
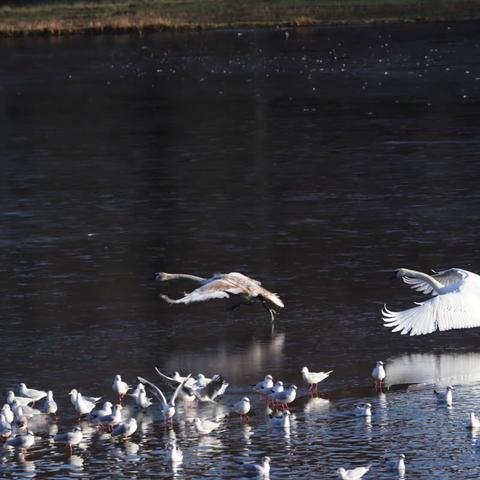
pixel 28 466
pixel 234 365
pixel 316 405
pixel 441 369
pixel 75 462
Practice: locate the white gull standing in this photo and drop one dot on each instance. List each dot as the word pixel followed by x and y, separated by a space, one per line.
pixel 314 378
pixel 71 438
pixel 364 410
pixel 378 375
pixel 242 407
pixel 35 395
pixel 261 470
pixel 397 464
pixel 23 441
pixel 125 429
pixel 120 387
pixel 445 397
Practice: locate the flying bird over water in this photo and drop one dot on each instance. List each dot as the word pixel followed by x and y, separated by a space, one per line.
pixel 455 302
pixel 222 285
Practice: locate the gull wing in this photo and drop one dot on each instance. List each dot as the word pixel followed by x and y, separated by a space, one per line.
pixel 177 390
pixel 156 391
pixel 456 309
pixel 171 381
pixel 358 472
pixel 445 277
pixel 217 288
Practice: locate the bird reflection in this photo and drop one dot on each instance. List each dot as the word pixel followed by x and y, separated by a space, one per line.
pixel 75 461
pixel 234 365
pixel 316 405
pixel 28 466
pixel 441 369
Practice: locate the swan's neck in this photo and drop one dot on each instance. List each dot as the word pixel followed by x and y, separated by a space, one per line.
pixel 435 284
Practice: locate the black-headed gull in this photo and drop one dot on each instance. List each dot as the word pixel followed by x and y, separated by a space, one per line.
pixel 23 441
pixel 82 405
pixel 35 395
pixel 112 420
pixel 71 438
pixel 354 474
pixel 21 400
pixel 49 405
pixel 140 397
pixel 364 410
pixel 205 426
pixel 102 412
pixel 168 408
pixel 445 397
pixel 28 411
pixel 287 396
pixel 260 470
pixel 7 411
pixel 264 386
pixel 222 285
pixel 277 388
pixel 73 397
pixel 242 407
pixel 120 387
pixel 314 378
pixel 378 375
pixel 455 302
pixel 5 427
pixel 125 429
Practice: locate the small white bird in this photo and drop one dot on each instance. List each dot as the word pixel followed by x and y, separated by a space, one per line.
pixel 263 386
pixel 82 405
pixel 281 421
pixel 49 405
pixel 23 441
pixel 74 437
pixel 7 411
pixel 473 421
pixel 314 378
pixel 397 464
pixel 364 410
pixel 140 397
pixel 205 426
pixel 287 396
pixel 174 454
pixel 35 395
pixel 112 420
pixel 378 374
pixel 102 412
pixel 73 397
pixel 5 427
pixel 27 411
pixel 242 407
pixel 260 470
pixel 21 400
pixel 120 387
pixel 168 408
pixel 277 388
pixel 454 303
pixel 125 429
pixel 445 397
pixel 354 474
pixel 19 419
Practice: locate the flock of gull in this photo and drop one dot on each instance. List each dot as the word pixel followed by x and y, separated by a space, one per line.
pixel 452 305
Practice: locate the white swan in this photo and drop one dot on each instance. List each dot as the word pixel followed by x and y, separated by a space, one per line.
pixel 222 285
pixel 455 302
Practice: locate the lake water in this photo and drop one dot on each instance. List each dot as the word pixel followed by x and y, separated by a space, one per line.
pixel 316 162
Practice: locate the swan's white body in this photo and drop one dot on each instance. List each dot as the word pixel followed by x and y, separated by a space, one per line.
pixel 455 302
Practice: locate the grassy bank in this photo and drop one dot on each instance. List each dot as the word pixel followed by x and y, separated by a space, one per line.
pixel 43 17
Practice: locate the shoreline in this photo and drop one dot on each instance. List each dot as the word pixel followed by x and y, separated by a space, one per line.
pixel 124 17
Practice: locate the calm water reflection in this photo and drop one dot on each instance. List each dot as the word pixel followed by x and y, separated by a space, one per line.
pixel 316 163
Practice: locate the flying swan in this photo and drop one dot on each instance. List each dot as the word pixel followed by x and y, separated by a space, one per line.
pixel 222 285
pixel 455 302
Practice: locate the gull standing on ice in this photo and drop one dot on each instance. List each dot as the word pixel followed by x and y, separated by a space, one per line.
pixel 35 395
pixel 277 388
pixel 263 386
pixel 74 393
pixel 102 412
pixel 205 426
pixel 354 474
pixel 262 470
pixel 242 407
pixel 455 302
pixel 378 374
pixel 74 437
pixel 364 410
pixel 314 378
pixel 445 397
pixel 168 408
pixel 82 405
pixel 287 396
pixel 22 442
pixel 397 464
pixel 112 420
pixel 125 429
pixel 49 406
pixel 120 387
pixel 222 285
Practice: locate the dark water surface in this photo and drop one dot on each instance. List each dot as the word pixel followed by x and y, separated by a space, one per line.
pixel 316 162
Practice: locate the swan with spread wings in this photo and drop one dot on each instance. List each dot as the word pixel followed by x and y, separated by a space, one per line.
pixel 455 302
pixel 222 285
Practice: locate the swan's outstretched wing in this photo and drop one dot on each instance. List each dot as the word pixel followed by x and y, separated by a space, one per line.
pixel 217 288
pixel 456 309
pixel 445 277
pixel 155 390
